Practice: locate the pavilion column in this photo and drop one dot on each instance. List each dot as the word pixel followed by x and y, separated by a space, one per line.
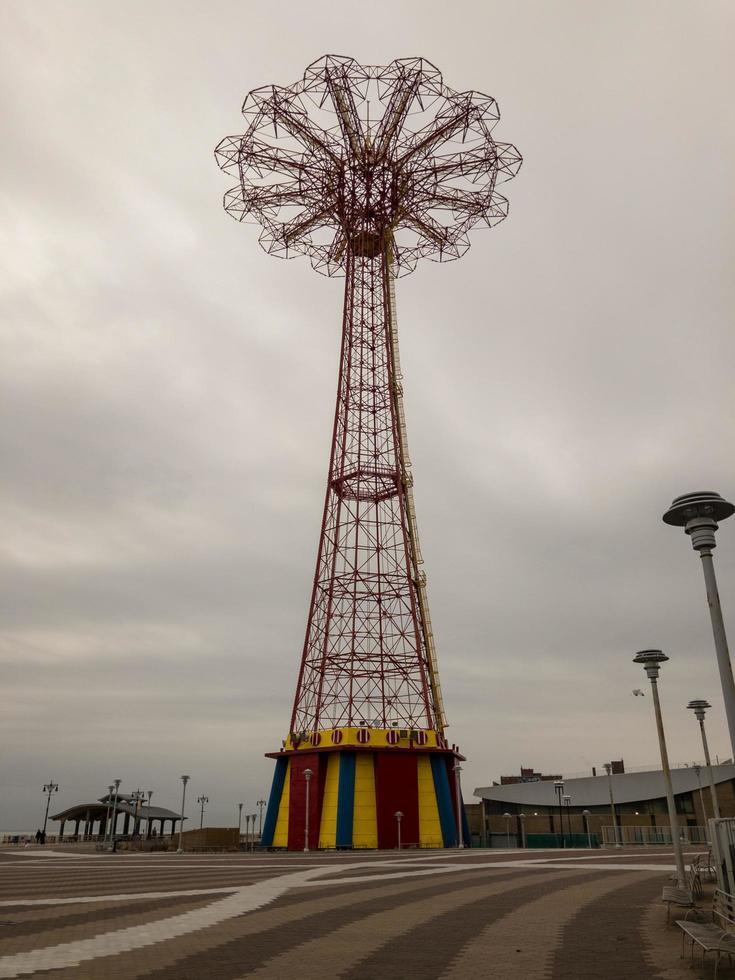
pixel 76 827
pixel 61 829
pixel 126 825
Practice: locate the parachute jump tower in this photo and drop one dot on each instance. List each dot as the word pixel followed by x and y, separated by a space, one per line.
pixel 366 170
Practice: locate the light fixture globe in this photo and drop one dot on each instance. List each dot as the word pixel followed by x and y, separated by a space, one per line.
pixel 698 503
pixel 651 661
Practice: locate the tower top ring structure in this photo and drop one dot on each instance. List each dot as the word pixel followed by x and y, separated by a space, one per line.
pixel 364 160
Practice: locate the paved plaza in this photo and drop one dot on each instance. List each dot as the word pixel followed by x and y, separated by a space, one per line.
pixel 556 915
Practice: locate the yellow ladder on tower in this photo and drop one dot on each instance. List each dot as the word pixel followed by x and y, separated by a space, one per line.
pixel 413 531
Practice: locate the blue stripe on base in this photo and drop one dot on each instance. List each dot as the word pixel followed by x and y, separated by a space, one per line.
pixel 444 800
pixel 274 801
pixel 345 799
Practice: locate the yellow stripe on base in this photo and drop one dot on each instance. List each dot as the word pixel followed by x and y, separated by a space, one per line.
pixel 328 827
pixel 365 818
pixel 280 834
pixel 430 831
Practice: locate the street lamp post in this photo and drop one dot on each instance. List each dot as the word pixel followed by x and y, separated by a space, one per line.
pixel 239 822
pixel 698 513
pixel 507 818
pixel 699 708
pixel 49 788
pixel 247 831
pixel 586 815
pixel 184 780
pixel 260 804
pixel 252 817
pixel 110 788
pixel 458 797
pixel 399 816
pixel 698 771
pixel 616 831
pixel 307 776
pixel 522 818
pixel 137 798
pixel 651 661
pixel 559 790
pixel 113 825
pixel 567 801
pixel 202 801
pixel 148 820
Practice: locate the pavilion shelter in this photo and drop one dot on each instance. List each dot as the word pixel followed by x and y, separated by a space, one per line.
pixel 127 818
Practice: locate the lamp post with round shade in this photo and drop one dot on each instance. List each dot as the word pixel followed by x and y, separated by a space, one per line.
pixel 698 773
pixel 586 814
pixel 651 661
pixel 260 804
pixel 616 831
pixel 522 818
pixel 184 780
pixel 399 816
pixel 507 818
pixel 699 513
pixel 567 801
pixel 559 790
pixel 307 776
pixel 239 821
pixel 699 708
pixel 252 817
pixel 458 796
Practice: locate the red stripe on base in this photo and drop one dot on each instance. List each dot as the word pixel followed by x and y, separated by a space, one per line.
pixel 397 788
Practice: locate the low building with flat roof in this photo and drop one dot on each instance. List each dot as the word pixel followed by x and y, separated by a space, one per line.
pixel 639 797
pixel 126 815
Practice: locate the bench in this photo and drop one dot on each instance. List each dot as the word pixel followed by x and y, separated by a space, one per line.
pixel 684 897
pixel 717 936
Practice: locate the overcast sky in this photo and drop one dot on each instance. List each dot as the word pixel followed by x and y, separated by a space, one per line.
pixel 167 390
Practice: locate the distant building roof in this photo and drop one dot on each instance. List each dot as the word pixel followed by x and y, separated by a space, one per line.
pixel 629 787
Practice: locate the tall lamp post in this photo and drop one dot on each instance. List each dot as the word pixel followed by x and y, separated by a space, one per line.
pixel 202 801
pixel 699 708
pixel 137 798
pixel 458 796
pixel 260 804
pixel 522 818
pixel 48 789
pixel 559 790
pixel 616 830
pixel 148 819
pixel 252 817
pixel 698 513
pixel 399 816
pixel 239 821
pixel 698 772
pixel 110 788
pixel 507 818
pixel 567 801
pixel 307 776
pixel 651 661
pixel 184 780
pixel 586 814
pixel 247 831
pixel 113 825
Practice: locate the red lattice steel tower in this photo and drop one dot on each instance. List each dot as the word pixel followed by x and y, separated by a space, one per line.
pixel 366 170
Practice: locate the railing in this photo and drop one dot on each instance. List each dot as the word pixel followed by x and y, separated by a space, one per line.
pixel 626 835
pixel 722 835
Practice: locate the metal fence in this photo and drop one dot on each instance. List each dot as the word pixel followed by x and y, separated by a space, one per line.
pixel 617 836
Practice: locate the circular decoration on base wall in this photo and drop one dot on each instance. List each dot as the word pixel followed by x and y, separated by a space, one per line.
pixel 363 736
pixel 337 737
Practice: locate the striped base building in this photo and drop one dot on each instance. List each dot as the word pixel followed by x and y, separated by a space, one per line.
pixel 361 778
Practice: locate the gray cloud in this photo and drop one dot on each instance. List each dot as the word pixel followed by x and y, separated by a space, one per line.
pixel 166 391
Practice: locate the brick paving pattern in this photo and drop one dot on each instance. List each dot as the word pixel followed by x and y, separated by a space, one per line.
pixel 434 915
